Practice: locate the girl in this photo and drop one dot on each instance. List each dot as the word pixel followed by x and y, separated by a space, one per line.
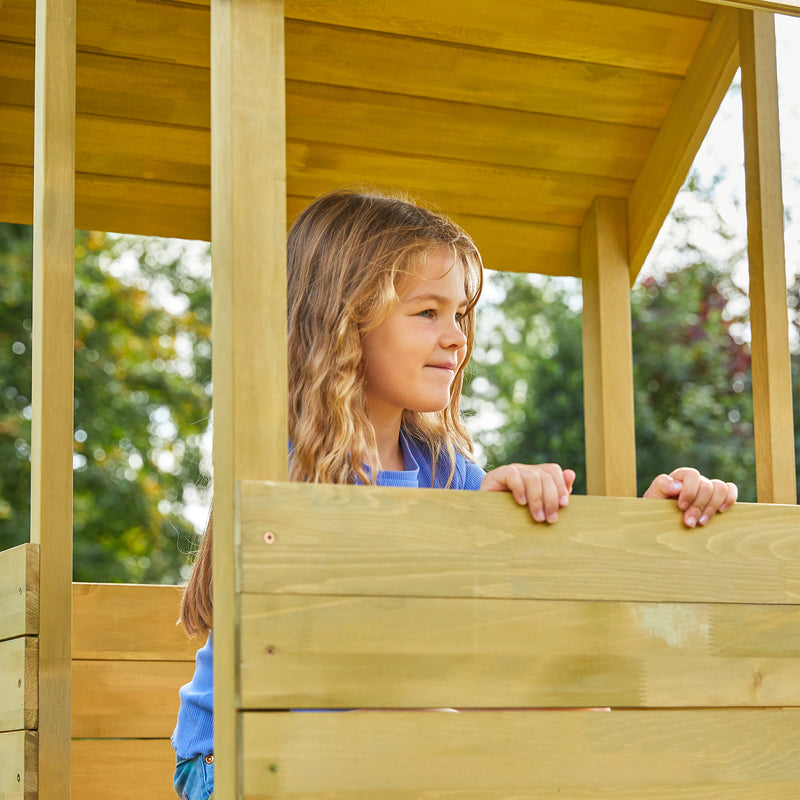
pixel 381 304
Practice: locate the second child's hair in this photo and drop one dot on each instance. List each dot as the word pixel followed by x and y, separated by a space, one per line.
pixel 351 255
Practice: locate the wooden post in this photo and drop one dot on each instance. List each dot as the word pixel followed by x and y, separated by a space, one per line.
pixel 248 231
pixel 772 390
pixel 52 422
pixel 607 353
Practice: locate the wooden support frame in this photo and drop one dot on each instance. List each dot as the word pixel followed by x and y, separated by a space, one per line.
pixel 248 225
pixel 51 447
pixel 772 389
pixel 607 351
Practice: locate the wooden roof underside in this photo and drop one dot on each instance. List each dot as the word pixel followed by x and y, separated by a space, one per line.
pixel 511 117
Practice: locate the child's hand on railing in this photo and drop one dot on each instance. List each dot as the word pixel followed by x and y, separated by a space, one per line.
pixel 698 497
pixel 544 488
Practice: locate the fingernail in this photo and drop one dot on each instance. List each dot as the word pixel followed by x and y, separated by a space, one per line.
pixel 539 516
pixel 703 519
pixel 691 522
pixel 683 504
pixel 522 500
pixel 563 500
pixel 675 486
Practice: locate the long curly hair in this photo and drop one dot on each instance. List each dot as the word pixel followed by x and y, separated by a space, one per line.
pixel 351 255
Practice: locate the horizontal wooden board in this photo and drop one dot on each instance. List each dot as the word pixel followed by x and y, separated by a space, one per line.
pixel 502 79
pixel 19 588
pixel 115 621
pixel 19 684
pixel 581 31
pixel 455 186
pixel 126 699
pixel 660 755
pixel 590 32
pixel 345 652
pixel 18 765
pixel 334 540
pixel 126 769
pixel 179 94
pixel 420 126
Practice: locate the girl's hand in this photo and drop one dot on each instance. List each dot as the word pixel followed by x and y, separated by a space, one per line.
pixel 698 497
pixel 544 488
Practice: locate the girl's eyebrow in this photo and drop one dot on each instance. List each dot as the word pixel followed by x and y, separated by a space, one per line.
pixel 434 298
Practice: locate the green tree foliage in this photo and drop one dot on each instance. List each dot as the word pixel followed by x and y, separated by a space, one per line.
pixel 693 399
pixel 142 401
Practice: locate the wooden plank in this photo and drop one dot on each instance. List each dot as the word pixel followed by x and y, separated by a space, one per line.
pixel 350 652
pixel 608 34
pixel 179 94
pixel 607 351
pixel 115 621
pixel 502 79
pixel 127 769
pixel 248 184
pixel 772 381
pixel 126 699
pixel 18 765
pixel 581 31
pixel 51 426
pixel 660 755
pixel 353 117
pixel 19 591
pixel 777 6
pixel 458 187
pixel 681 134
pixel 474 544
pixel 19 661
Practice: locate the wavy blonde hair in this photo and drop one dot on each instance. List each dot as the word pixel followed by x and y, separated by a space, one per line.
pixel 351 255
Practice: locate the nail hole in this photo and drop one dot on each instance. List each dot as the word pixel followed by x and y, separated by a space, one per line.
pixel 269 537
pixel 269 650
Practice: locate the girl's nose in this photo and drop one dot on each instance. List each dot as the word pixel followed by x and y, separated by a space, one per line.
pixel 453 336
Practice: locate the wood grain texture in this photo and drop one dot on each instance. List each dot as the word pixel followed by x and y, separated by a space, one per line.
pixel 52 379
pixel 19 765
pixel 126 699
pixel 19 591
pixel 370 652
pixel 19 662
pixel 772 384
pixel 424 542
pixel 523 755
pixel 127 769
pixel 126 622
pixel 590 32
pixel 607 351
pixel 681 134
pixel 248 185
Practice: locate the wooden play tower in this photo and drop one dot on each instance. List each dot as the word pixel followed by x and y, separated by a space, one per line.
pixel 558 132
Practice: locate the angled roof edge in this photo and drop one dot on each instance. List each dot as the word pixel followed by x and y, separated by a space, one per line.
pixel 791 7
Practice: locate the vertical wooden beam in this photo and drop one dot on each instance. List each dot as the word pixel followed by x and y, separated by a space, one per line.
pixel 53 337
pixel 772 390
pixel 248 229
pixel 607 351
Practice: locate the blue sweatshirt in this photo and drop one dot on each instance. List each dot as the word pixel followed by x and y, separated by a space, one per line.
pixel 194 732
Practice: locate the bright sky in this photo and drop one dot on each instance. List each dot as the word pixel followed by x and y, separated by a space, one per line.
pixel 722 154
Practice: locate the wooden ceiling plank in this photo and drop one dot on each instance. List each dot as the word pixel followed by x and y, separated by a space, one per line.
pixel 436 128
pixel 681 135
pixel 424 68
pixel 177 93
pixel 456 186
pixel 582 31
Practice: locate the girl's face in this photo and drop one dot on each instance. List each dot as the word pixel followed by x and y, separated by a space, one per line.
pixel 412 357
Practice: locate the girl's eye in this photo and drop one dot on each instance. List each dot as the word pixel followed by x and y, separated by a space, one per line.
pixel 428 313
